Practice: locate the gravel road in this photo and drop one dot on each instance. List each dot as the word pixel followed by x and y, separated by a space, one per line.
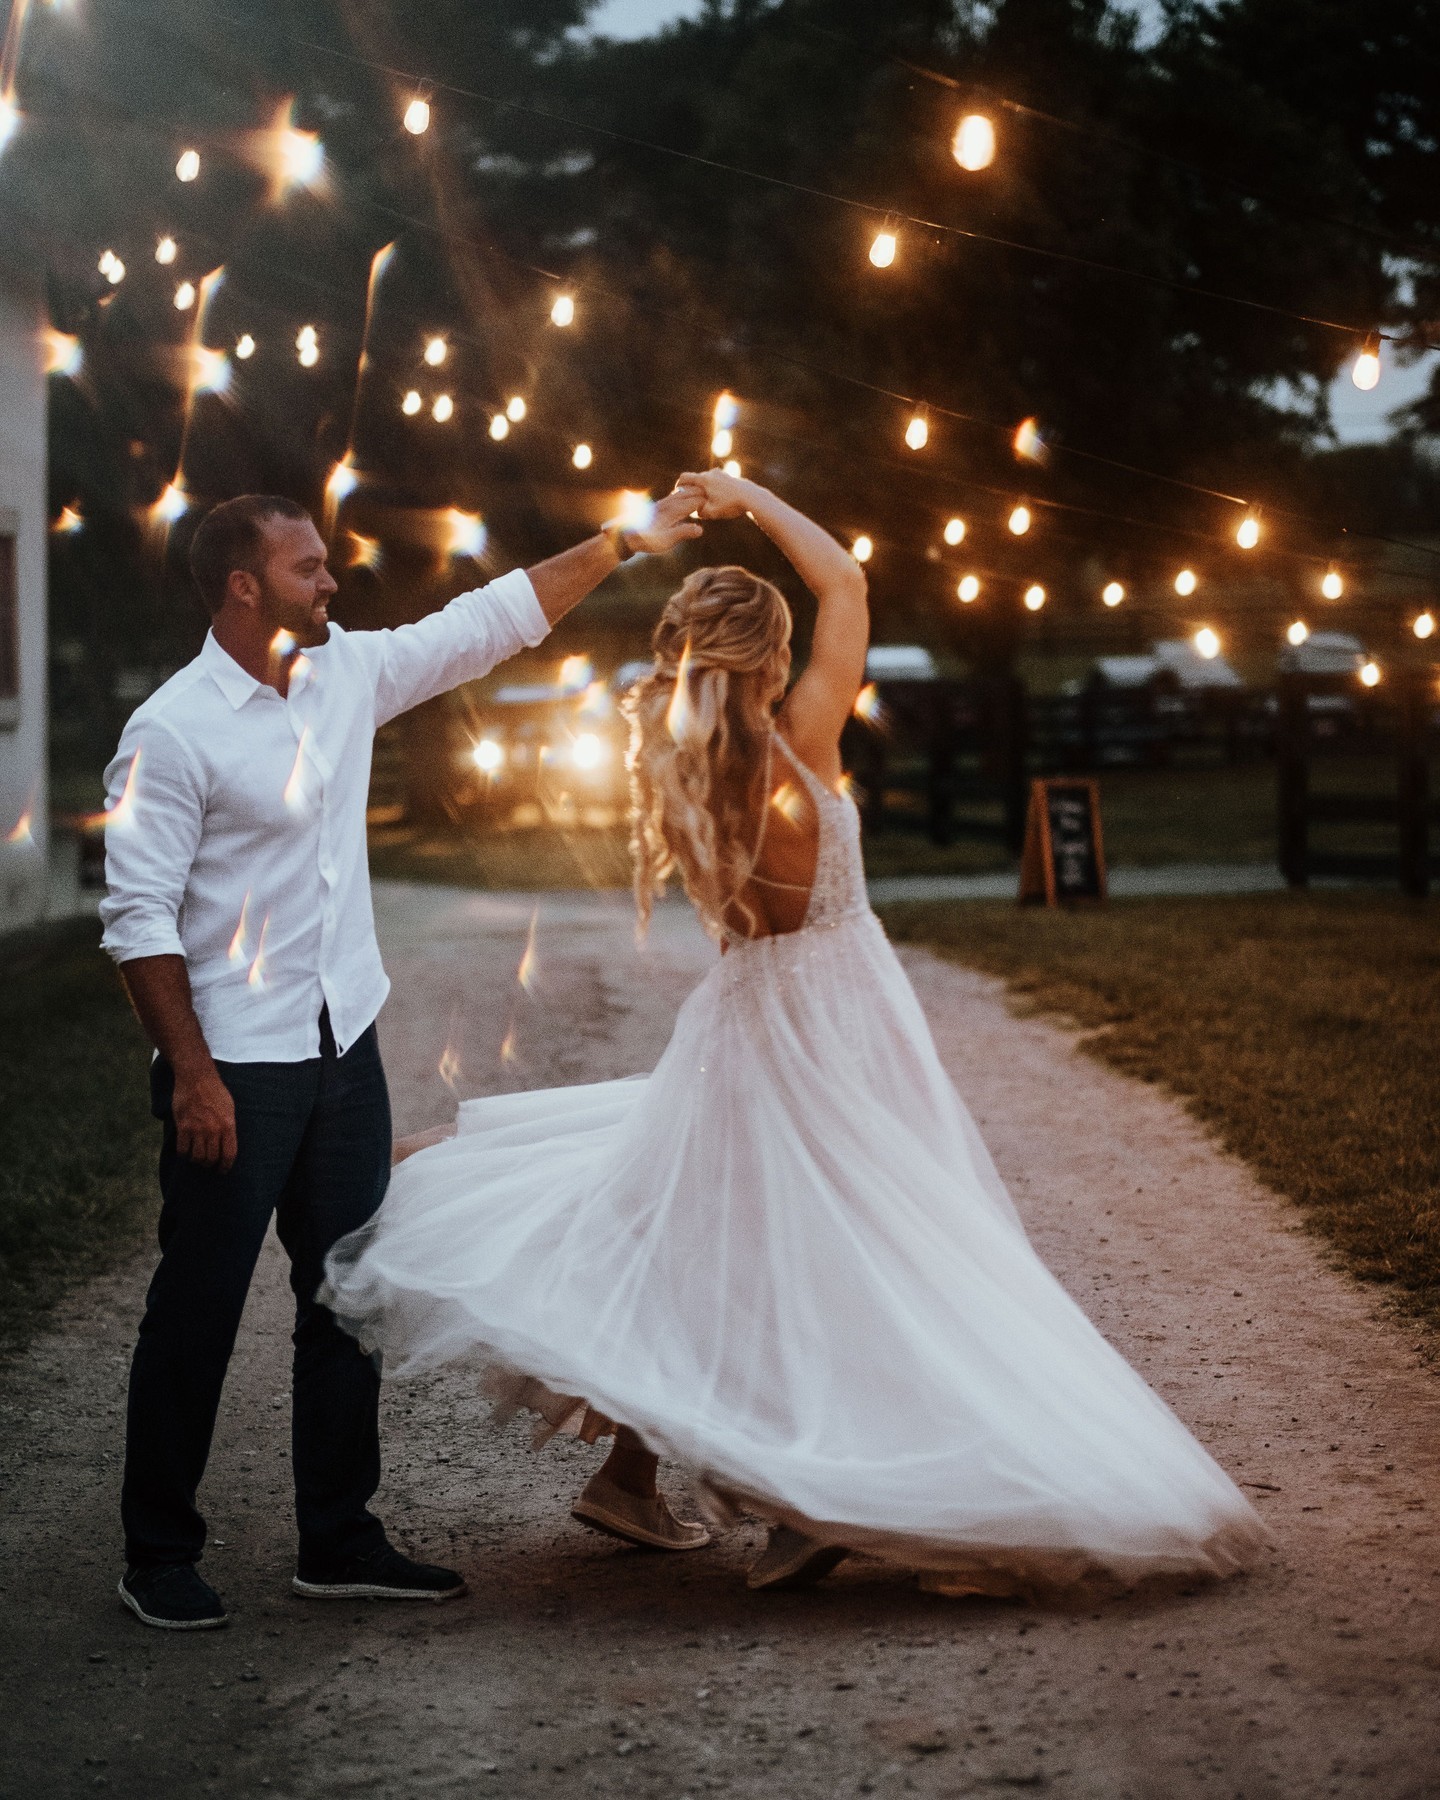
pixel 577 1667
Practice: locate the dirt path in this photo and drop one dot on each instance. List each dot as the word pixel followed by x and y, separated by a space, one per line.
pixel 576 1668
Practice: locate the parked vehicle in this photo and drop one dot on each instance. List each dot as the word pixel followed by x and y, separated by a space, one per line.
pixel 559 745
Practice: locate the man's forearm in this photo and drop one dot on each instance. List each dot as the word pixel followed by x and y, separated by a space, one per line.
pixel 159 990
pixel 561 582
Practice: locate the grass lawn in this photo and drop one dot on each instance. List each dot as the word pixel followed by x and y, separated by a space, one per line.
pixel 77 1143
pixel 1301 1027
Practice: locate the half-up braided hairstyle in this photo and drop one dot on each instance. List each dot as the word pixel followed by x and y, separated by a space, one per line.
pixel 699 732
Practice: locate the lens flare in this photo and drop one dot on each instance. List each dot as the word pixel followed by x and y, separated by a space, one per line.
pixel 121 816
pixel 575 672
pixel 509 1052
pixel 465 533
pixel 63 354
pixel 70 521
pixel 789 802
pixel 9 119
pixel 238 952
pixel 969 588
pixel 588 751
pixel 973 146
pixel 726 412
pixel 1019 520
pixel 173 504
pixel 563 311
pixel 1112 593
pixel 365 552
pixel 210 371
pixel 258 977
pixel 20 832
pixel 868 705
pixel 1028 444
pixel 295 796
pixel 529 966
pixel 448 1068
pixel 488 756
pixel 954 531
pixel 680 713
pixel 291 158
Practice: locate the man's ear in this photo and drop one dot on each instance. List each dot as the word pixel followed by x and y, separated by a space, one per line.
pixel 243 587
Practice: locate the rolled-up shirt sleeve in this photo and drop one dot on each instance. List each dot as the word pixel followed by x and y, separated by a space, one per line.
pixel 156 805
pixel 460 642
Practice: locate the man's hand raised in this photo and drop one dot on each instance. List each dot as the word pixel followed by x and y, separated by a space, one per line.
pixel 669 524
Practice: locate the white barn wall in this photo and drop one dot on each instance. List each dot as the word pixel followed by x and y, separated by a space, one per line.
pixel 24 855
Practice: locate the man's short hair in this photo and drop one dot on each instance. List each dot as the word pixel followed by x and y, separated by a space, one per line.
pixel 232 536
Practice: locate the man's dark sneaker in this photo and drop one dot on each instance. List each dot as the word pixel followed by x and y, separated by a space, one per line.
pixel 173 1597
pixel 383 1574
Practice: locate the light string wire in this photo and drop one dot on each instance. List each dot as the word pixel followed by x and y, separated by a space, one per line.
pixel 436 84
pixel 775 353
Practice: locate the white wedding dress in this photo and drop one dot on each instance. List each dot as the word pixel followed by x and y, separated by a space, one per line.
pixel 786 1259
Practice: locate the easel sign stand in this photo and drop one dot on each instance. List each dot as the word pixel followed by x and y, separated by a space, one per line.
pixel 1064 858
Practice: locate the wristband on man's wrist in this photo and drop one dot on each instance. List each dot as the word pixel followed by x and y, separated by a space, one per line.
pixel 621 540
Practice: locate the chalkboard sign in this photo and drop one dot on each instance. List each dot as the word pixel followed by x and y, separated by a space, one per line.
pixel 1064 859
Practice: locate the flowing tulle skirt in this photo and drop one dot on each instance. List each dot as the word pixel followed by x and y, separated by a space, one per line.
pixel 786 1259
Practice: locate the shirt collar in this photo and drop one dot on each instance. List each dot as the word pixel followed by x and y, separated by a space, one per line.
pixel 233 682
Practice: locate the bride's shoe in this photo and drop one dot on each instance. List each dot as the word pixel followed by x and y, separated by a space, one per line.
pixel 643 1520
pixel 792 1560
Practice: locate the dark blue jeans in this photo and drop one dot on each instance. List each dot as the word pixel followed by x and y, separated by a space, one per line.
pixel 314 1149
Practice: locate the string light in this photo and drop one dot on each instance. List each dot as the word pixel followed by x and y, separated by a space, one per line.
pixel 1186 583
pixel 917 432
pixel 1247 533
pixel 166 251
pixel 1366 372
pixel 443 410
pixel 732 468
pixel 1370 673
pixel 245 347
pixel 63 353
pixel 1424 626
pixel 954 531
pixel 188 166
pixel 111 267
pixel 1332 587
pixel 436 350
pixel 1034 597
pixel 499 427
pixel 417 117
pixel 973 146
pixel 862 549
pixel 1019 520
pixel 466 533
pixel 412 403
pixel 515 409
pixel 722 443
pixel 727 411
pixel 969 588
pixel 582 456
pixel 290 157
pixel 1297 633
pixel 1112 593
pixel 1207 642
pixel 563 311
pixel 185 296
pixel 883 246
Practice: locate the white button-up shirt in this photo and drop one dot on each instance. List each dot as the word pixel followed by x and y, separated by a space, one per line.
pixel 236 836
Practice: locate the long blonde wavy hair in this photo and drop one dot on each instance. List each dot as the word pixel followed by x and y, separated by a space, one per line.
pixel 699 732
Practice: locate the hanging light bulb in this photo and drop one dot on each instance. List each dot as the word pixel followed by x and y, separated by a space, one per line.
pixel 954 531
pixel 973 146
pixel 166 251
pixel 1332 587
pixel 499 427
pixel 1424 626
pixel 111 267
pixel 1034 597
pixel 1112 593
pixel 1370 673
pixel 443 410
pixel 412 403
pixel 307 346
pixel 862 549
pixel 563 311
pixel 417 117
pixel 1297 633
pixel 1366 372
pixel 63 353
pixel 1247 533
pixel 917 432
pixel 733 468
pixel 1207 642
pixel 722 443
pixel 436 350
pixel 1186 583
pixel 515 409
pixel 188 166
pixel 185 296
pixel 727 411
pixel 883 246
pixel 582 456
pixel 969 588
pixel 1019 520
pixel 245 347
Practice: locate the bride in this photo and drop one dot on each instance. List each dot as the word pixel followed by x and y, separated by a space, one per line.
pixel 784 1258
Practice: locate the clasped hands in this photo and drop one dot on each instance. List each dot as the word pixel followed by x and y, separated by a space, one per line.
pixel 710 495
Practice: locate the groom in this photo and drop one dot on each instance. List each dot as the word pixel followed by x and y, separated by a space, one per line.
pixel 239 913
